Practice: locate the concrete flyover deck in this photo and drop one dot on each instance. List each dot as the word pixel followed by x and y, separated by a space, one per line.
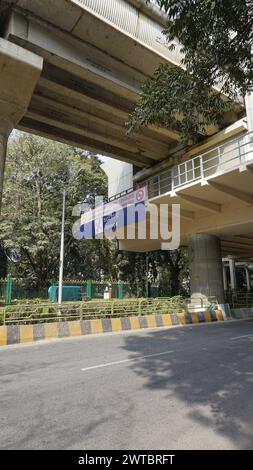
pixel 215 193
pixel 90 82
pixel 93 58
pixel 96 55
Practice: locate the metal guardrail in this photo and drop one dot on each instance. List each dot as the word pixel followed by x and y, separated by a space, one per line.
pixel 198 304
pixel 239 299
pixel 43 313
pixel 218 160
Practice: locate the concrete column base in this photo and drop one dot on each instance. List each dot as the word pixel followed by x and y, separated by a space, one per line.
pixel 225 310
pixel 206 274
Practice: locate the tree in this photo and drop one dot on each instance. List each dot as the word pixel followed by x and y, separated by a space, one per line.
pixel 175 275
pixel 216 38
pixel 37 170
pixel 36 173
pixel 167 270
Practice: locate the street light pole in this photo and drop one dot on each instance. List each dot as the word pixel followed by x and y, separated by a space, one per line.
pixel 62 248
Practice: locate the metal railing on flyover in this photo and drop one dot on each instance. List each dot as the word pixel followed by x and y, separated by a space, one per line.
pixel 121 194
pixel 218 160
pixel 47 312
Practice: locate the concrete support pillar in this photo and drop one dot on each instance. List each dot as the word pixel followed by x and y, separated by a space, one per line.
pixel 3 150
pixel 19 73
pixel 206 275
pixel 233 282
pixel 120 176
pixel 249 110
pixel 248 278
pixel 247 151
pixel 225 277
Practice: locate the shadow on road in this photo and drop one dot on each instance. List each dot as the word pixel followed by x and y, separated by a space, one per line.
pixel 210 374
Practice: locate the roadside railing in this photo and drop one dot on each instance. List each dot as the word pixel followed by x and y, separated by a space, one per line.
pixel 201 304
pixel 42 313
pixel 239 299
pixel 226 157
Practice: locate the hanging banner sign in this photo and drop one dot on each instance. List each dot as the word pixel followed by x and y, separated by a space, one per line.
pixel 110 217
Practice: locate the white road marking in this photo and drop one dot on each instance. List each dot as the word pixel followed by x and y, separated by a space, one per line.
pixel 243 336
pixel 107 364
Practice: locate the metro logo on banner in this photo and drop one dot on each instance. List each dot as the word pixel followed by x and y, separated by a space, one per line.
pixel 140 195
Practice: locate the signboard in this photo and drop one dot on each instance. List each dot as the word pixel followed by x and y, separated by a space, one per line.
pixel 110 217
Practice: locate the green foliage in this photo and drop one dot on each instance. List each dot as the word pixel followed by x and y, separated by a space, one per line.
pixel 166 269
pixel 216 40
pixel 216 37
pixel 175 100
pixel 37 171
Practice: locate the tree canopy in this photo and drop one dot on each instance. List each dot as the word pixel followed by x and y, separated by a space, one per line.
pixel 36 172
pixel 216 40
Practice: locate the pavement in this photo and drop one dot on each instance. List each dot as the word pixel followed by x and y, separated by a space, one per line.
pixel 182 388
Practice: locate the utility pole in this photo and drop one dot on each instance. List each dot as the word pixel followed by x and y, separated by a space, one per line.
pixel 62 248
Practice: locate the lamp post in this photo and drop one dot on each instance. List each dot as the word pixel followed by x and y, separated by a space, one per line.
pixel 61 266
pixel 62 248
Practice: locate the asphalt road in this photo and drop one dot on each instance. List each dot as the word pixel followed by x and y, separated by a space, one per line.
pixel 182 388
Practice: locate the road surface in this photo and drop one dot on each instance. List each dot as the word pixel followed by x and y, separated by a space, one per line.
pixel 180 388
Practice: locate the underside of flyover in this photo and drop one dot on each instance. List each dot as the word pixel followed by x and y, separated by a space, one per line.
pixel 89 83
pixel 76 76
pixel 91 77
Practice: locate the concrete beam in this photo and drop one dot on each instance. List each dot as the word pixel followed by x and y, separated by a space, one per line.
pixel 76 56
pixel 69 57
pixel 199 202
pixel 59 81
pixel 236 193
pixel 66 109
pixel 70 80
pixel 19 73
pixel 61 115
pixel 185 214
pixel 71 138
pixel 99 135
pixel 244 238
pixel 91 105
pixel 234 244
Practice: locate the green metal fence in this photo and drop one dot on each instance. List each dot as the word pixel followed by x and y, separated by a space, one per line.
pixel 16 290
pixel 42 313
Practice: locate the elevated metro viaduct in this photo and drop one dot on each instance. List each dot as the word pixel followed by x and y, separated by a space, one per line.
pixel 71 70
